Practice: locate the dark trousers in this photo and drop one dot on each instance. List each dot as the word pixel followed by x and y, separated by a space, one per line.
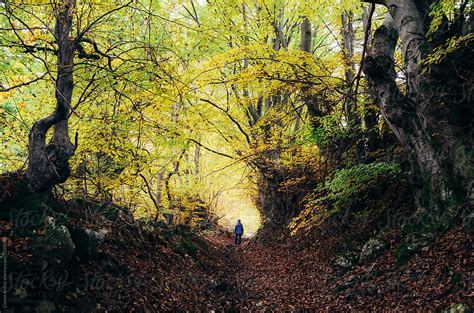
pixel 238 239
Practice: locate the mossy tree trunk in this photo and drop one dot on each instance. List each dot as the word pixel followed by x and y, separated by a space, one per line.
pixel 432 118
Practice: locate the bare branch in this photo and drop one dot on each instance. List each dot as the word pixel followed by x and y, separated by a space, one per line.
pixel 373 1
pixel 209 149
pixel 83 54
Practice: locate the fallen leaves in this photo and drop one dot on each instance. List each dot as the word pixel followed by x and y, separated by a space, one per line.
pixel 139 272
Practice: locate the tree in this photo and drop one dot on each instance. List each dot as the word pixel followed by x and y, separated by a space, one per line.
pixel 431 114
pixel 49 162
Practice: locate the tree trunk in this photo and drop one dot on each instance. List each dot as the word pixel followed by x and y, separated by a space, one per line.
pixel 371 115
pixel 197 158
pixel 348 55
pixel 432 119
pixel 305 45
pixel 49 163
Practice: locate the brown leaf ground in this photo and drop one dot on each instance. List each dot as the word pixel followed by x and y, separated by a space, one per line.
pixel 143 271
pixel 296 274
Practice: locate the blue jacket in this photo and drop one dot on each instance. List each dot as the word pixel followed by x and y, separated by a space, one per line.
pixel 239 229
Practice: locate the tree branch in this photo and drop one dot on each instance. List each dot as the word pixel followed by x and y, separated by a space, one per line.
pixel 83 54
pixel 247 137
pixel 209 149
pixel 85 30
pixel 2 89
pixel 364 50
pixel 374 1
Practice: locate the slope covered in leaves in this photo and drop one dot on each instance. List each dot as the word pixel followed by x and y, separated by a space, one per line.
pixel 146 266
pixel 135 265
pixel 298 273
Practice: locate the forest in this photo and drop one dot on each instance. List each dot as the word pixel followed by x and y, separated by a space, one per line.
pixel 139 139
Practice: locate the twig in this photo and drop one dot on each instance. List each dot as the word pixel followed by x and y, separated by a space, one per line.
pixel 2 89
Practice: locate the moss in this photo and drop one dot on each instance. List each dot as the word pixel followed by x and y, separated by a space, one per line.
pixel 29 214
pixel 352 188
pixel 402 254
pixel 55 245
pixel 431 220
pixel 110 212
pixel 441 207
pixel 463 158
pixel 187 247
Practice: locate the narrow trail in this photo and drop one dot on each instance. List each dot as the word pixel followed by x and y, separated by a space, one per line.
pixel 293 274
pixel 254 276
pixel 261 277
pixel 228 285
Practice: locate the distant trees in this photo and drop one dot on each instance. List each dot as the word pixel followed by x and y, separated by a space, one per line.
pixel 171 101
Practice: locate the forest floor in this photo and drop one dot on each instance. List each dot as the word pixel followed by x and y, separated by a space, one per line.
pixel 293 274
pixel 148 269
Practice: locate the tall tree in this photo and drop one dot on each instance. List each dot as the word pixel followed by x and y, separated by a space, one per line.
pixel 433 118
pixel 348 56
pixel 49 163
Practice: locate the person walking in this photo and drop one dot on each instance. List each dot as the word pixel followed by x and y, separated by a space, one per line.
pixel 239 231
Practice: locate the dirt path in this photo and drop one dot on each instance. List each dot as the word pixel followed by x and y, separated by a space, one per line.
pixel 294 274
pixel 228 285
pixel 271 276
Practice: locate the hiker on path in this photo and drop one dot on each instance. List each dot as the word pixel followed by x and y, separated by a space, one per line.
pixel 239 230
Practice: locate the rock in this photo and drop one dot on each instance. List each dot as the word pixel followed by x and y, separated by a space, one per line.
pixel 87 241
pixel 413 243
pixel 55 246
pixel 349 283
pixel 371 249
pixel 458 308
pixel 418 241
pixel 371 273
pixel 345 261
pixel 20 293
pixel 221 286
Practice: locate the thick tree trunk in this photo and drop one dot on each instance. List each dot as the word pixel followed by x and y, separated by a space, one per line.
pixel 49 163
pixel 432 118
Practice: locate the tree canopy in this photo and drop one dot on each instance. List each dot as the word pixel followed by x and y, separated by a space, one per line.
pixel 341 116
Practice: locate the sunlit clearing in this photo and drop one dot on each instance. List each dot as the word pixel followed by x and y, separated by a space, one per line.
pixel 237 204
pixel 229 186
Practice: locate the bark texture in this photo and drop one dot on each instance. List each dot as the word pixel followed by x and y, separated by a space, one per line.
pixel 49 163
pixel 348 54
pixel 432 118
